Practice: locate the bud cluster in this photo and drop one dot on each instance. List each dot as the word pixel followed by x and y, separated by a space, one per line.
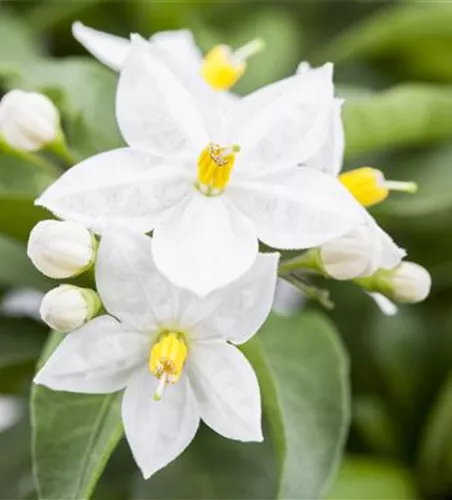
pixel 60 250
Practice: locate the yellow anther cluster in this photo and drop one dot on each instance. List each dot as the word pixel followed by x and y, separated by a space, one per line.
pixel 366 184
pixel 221 68
pixel 215 165
pixel 168 356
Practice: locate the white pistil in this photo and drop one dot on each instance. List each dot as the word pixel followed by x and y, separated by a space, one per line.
pixel 163 382
pixel 250 49
pixel 403 187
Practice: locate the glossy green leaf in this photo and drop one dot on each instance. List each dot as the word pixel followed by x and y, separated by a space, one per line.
pixel 73 437
pixel 406 115
pixel 366 477
pixel 307 400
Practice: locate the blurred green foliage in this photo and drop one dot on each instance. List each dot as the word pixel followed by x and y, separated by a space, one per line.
pixel 393 63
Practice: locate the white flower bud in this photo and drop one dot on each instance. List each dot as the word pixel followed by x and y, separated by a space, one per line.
pixel 354 255
pixel 68 307
pixel 28 120
pixel 408 282
pixel 61 249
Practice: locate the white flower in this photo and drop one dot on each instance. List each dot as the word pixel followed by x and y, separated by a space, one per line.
pixel 61 249
pixel 28 120
pixel 162 339
pixel 183 176
pixel 68 307
pixel 383 252
pixel 407 283
pixel 359 253
pixel 221 67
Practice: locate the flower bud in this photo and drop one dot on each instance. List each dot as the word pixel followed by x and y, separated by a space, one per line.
pixel 68 307
pixel 356 254
pixel 28 120
pixel 407 283
pixel 61 249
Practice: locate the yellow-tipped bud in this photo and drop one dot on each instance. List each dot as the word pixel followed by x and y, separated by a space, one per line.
pixel 222 67
pixel 167 359
pixel 215 165
pixel 369 186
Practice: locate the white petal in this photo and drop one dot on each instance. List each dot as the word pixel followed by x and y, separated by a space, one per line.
pixel 284 123
pixel 129 284
pixel 227 390
pixel 330 155
pixel 204 244
pixel 97 358
pixel 155 112
pixel 391 254
pixel 386 306
pixel 238 310
pixel 111 50
pixel 122 186
pixel 158 431
pixel 181 50
pixel 297 207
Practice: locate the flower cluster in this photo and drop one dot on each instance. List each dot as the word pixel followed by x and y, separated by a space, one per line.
pixel 172 224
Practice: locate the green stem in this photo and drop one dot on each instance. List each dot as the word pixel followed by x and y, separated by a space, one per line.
pixel 307 261
pixel 45 165
pixel 319 294
pixel 60 148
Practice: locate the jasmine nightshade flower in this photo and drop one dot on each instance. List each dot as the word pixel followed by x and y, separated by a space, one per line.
pixel 208 180
pixel 172 352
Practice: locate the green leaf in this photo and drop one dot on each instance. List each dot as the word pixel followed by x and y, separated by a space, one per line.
pixel 414 38
pixel 435 456
pixel 365 477
pixel 18 215
pixel 19 271
pixel 214 467
pixel 73 437
pixel 406 115
pixel 17 44
pixel 306 399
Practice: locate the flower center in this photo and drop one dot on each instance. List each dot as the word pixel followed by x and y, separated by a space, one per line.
pixel 222 67
pixel 369 186
pixel 215 165
pixel 167 359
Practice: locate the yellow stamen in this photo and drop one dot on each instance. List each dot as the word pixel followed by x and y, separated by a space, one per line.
pixel 369 186
pixel 222 67
pixel 167 359
pixel 215 165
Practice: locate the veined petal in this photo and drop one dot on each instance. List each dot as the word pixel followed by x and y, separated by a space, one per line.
pixel 297 207
pixel 98 358
pixel 330 155
pixel 237 311
pixel 122 186
pixel 129 283
pixel 204 244
pixel 227 390
pixel 155 112
pixel 158 431
pixel 284 123
pixel 109 49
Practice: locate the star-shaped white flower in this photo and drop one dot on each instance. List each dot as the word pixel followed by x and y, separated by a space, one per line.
pixel 211 181
pixel 171 351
